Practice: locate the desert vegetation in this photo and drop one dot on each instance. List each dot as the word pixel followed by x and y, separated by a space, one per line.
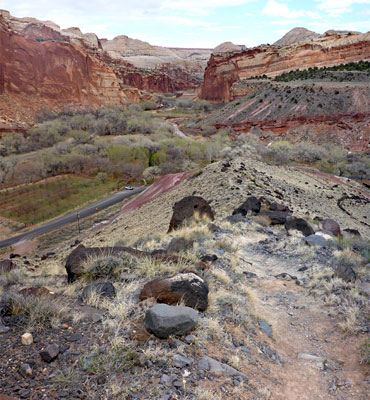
pixel 352 71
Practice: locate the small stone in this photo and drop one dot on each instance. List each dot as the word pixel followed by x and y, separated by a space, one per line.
pixel 96 318
pixel 65 326
pixel 165 379
pixel 50 353
pixel 265 328
pixel 101 380
pixel 74 338
pixel 3 328
pixel 311 357
pixel 25 370
pixel 189 339
pixel 27 339
pixel 180 361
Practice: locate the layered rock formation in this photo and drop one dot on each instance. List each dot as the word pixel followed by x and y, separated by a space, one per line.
pixel 320 111
pixel 43 66
pixel 332 48
pixel 47 74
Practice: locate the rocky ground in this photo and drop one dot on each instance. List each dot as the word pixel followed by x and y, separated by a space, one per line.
pixel 282 314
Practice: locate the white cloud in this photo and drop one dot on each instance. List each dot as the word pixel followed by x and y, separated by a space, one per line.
pixel 337 7
pixel 276 9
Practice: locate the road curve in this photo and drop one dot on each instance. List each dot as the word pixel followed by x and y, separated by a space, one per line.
pixel 72 217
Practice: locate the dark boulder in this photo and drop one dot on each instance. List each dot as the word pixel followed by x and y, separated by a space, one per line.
pixel 251 204
pixel 276 217
pixel 76 259
pixel 187 208
pixel 188 288
pixel 298 224
pixel 330 225
pixel 103 289
pixel 279 207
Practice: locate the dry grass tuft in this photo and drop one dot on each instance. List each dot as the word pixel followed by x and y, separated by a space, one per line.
pixel 39 312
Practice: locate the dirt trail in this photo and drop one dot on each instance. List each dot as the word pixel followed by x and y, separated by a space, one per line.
pixel 302 324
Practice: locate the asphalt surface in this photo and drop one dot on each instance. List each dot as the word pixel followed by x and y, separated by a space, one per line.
pixel 72 217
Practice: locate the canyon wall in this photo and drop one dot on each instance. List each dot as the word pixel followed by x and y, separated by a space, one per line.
pixel 223 70
pixel 48 74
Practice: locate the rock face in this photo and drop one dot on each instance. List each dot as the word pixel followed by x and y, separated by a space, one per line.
pixel 163 320
pixel 42 66
pixel 47 74
pixel 223 70
pixel 187 208
pixel 188 288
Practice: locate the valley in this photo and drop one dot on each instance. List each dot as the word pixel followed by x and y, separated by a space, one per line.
pixel 183 223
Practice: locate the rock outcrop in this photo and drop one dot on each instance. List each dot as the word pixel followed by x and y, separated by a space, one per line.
pixel 38 74
pixel 330 49
pixel 296 35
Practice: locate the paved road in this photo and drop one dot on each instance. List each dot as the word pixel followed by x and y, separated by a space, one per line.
pixel 72 217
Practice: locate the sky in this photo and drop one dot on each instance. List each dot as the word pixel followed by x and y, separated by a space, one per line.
pixel 197 23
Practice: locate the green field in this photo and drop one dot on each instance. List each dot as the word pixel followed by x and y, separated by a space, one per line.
pixel 40 202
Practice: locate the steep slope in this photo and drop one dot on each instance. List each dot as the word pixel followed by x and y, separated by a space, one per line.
pixel 330 49
pixel 320 111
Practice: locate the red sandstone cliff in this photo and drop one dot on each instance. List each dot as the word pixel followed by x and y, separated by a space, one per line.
pixel 34 75
pixel 223 70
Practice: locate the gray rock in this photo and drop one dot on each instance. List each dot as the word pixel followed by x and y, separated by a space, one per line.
pixel 103 289
pixel 180 361
pixel 50 353
pixel 316 240
pixel 189 339
pixel 165 379
pixel 265 328
pixel 212 365
pixel 163 320
pixel 234 219
pixel 3 328
pixel 25 370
